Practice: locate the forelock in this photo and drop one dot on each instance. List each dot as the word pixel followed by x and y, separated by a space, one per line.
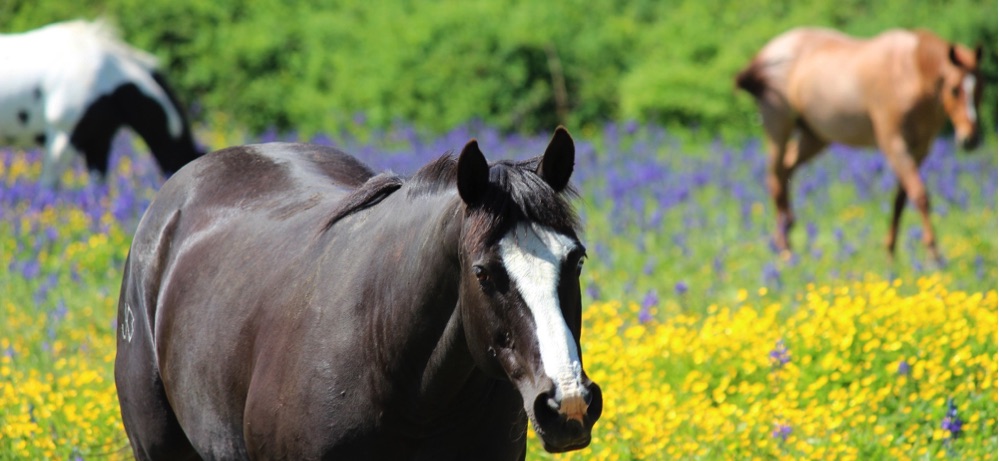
pixel 516 194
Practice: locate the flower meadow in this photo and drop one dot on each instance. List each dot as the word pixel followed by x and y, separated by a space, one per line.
pixel 706 342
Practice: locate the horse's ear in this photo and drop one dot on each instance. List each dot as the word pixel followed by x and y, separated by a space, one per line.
pixel 473 173
pixel 557 163
pixel 952 55
pixel 955 56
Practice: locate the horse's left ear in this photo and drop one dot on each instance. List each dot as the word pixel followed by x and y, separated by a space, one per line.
pixel 557 163
pixel 473 173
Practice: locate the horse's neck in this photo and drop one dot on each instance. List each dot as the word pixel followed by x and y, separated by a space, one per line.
pixel 418 295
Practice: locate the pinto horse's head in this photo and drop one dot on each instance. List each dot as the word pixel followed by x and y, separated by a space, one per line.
pixel 519 292
pixel 961 94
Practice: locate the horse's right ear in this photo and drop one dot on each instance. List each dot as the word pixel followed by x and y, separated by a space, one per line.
pixel 952 55
pixel 473 173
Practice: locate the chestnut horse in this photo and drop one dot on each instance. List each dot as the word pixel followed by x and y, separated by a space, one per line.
pixel 280 301
pixel 895 91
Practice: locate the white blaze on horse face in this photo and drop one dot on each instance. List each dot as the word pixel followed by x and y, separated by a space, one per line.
pixel 969 96
pixel 533 257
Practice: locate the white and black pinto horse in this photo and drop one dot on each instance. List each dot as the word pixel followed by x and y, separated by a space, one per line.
pixel 282 302
pixel 68 87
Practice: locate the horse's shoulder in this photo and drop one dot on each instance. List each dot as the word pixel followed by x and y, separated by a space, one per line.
pixel 340 167
pixel 815 34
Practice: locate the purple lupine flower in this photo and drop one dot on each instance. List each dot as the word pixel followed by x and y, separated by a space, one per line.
pixel 680 288
pixel 631 127
pixel 904 368
pixel 30 269
pixel 60 311
pixel 771 275
pixel 951 422
pixel 781 432
pixel 772 245
pixel 593 291
pixel 812 231
pixel 651 299
pixel 779 356
pixel 51 233
pixel 270 135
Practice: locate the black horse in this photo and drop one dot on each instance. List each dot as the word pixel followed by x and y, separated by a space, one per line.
pixel 282 301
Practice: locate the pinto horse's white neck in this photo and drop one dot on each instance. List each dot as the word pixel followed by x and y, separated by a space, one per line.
pixel 534 256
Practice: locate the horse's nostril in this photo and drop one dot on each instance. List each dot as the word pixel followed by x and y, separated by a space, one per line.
pixel 595 402
pixel 546 408
pixel 553 404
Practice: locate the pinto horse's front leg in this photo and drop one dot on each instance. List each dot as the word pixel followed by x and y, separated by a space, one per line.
pixel 59 155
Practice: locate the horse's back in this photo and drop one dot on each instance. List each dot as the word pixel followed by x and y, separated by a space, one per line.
pixel 255 176
pixel 221 264
pixel 809 54
pixel 839 85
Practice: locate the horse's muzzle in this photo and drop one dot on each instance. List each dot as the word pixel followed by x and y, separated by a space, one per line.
pixel 971 141
pixel 565 424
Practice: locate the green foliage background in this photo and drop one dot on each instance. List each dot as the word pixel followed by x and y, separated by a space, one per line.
pixel 313 66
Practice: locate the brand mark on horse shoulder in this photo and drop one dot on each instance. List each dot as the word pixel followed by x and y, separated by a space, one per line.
pixel 127 324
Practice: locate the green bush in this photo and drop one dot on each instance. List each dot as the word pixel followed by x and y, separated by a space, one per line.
pixel 313 66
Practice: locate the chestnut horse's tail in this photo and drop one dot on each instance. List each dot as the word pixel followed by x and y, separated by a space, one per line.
pixel 751 79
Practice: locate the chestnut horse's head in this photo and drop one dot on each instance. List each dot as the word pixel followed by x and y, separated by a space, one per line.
pixel 961 94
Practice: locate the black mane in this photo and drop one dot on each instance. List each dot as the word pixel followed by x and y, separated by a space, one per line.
pixel 374 190
pixel 515 194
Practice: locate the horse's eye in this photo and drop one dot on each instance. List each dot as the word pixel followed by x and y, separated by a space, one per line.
pixel 955 91
pixel 579 267
pixel 480 273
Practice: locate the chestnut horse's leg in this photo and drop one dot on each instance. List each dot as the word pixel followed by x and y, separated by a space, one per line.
pixel 805 148
pixel 906 167
pixel 896 216
pixel 778 125
pixel 796 153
